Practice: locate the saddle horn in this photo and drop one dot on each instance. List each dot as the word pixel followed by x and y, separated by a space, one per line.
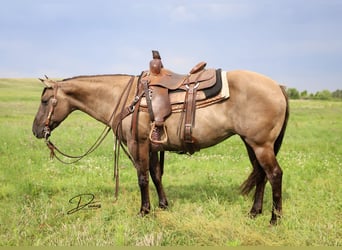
pixel 155 54
pixel 155 64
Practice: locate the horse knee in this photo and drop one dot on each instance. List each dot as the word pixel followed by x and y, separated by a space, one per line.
pixel 143 180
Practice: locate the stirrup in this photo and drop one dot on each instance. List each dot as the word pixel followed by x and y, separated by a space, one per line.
pixel 161 141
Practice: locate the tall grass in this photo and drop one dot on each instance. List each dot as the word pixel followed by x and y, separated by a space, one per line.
pixel 203 190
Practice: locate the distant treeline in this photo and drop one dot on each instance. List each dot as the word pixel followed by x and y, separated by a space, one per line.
pixel 293 93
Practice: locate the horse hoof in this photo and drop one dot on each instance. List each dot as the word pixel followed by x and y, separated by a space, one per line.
pixel 254 213
pixel 143 212
pixel 163 205
pixel 275 220
pixel 273 223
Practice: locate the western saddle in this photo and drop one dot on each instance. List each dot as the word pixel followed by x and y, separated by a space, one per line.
pixel 164 90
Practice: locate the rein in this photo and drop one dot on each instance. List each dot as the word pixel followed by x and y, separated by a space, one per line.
pixel 117 127
pixel 53 148
pixel 77 158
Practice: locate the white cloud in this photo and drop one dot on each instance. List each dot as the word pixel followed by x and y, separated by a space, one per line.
pixel 210 10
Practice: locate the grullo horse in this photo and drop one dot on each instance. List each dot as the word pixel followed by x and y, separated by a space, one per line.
pixel 257 110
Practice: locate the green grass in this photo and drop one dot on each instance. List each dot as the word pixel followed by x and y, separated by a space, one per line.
pixel 203 190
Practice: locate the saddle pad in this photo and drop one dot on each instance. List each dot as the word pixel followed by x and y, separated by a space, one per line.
pixel 177 97
pixel 215 89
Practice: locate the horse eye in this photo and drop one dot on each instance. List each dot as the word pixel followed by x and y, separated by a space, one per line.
pixel 44 102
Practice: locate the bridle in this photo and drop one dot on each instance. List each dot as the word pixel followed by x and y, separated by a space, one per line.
pixel 47 129
pixel 117 121
pixel 47 132
pixel 53 148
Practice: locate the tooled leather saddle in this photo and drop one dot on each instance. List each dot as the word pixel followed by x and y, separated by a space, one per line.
pixel 166 92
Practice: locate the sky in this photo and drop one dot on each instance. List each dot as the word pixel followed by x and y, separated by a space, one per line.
pixel 298 43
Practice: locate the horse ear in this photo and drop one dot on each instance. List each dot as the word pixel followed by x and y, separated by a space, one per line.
pixel 48 83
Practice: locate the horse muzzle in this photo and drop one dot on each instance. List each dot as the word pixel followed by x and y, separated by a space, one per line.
pixel 46 132
pixel 40 132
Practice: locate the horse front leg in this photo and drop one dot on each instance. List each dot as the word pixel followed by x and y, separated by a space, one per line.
pixel 140 154
pixel 156 171
pixel 145 196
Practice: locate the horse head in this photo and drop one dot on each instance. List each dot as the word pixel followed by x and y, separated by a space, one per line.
pixel 53 109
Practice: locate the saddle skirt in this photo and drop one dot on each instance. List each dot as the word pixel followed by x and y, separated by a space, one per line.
pixel 212 88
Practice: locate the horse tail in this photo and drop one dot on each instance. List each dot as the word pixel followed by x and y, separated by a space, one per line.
pixel 279 140
pixel 257 173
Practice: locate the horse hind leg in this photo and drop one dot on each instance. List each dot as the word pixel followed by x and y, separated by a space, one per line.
pixel 267 160
pixel 256 179
pixel 156 172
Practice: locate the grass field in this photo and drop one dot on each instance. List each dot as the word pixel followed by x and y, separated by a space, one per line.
pixel 203 190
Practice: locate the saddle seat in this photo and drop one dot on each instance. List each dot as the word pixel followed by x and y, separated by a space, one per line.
pixel 205 78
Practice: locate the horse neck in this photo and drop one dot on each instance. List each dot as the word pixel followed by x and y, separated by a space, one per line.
pixel 96 95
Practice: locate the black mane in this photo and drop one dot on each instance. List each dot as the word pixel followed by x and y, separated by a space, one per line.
pixel 91 76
